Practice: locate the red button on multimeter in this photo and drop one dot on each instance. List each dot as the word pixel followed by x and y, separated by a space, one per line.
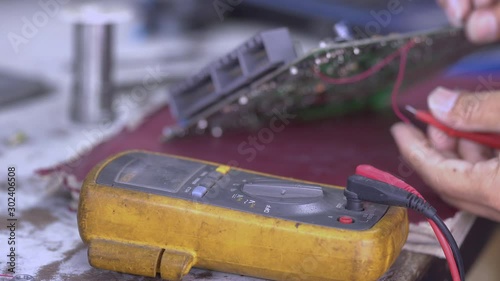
pixel 346 220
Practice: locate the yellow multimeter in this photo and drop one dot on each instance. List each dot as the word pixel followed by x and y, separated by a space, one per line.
pixel 159 215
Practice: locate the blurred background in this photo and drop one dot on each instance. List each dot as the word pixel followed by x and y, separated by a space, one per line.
pixel 58 53
pixel 53 52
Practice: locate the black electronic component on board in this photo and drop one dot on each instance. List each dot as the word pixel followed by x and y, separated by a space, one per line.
pixel 259 55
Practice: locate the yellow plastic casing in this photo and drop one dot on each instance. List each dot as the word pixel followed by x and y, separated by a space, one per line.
pixel 150 235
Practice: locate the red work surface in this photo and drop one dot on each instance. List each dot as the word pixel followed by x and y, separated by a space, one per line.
pixel 326 151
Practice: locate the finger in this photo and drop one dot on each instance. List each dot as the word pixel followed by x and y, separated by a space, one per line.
pixel 473 152
pixel 441 141
pixel 473 208
pixel 417 150
pixel 468 112
pixel 456 10
pixel 482 26
pixel 451 177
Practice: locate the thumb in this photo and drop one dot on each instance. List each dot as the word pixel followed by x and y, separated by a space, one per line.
pixel 483 25
pixel 464 111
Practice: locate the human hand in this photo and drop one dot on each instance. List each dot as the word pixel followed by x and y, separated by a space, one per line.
pixel 465 174
pixel 481 18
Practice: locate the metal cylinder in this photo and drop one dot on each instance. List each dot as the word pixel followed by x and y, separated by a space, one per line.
pixel 92 96
pixel 92 91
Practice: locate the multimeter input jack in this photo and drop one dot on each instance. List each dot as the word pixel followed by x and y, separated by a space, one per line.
pixel 353 203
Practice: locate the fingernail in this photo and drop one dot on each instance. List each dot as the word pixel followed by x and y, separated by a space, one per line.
pixel 483 27
pixel 396 127
pixel 456 11
pixel 441 101
pixel 393 129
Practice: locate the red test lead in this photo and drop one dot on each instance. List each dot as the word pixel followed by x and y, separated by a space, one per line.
pixel 490 140
pixel 377 186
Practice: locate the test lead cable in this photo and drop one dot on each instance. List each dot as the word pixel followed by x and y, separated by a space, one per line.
pixel 373 185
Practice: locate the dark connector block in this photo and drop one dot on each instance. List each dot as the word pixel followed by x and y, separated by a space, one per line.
pixel 259 55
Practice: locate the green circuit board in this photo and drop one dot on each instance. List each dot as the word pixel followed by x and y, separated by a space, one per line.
pixel 297 89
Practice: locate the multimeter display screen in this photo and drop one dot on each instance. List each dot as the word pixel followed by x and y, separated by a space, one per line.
pixel 160 173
